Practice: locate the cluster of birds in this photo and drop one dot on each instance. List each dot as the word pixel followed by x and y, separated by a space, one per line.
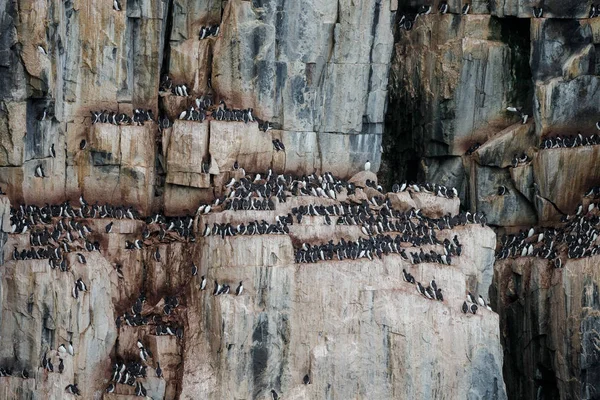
pixel 376 224
pixel 558 142
pixel 239 193
pixel 431 188
pixel 63 350
pixel 576 236
pixel 226 229
pixel 162 327
pixel 128 373
pixel 164 230
pixel 431 292
pixel 520 159
pixel 223 113
pixel 470 306
pixel 222 289
pixel 208 31
pixel 110 117
pixel 54 230
pixel 408 20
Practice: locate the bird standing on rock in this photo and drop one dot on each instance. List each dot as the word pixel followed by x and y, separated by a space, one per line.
pixel 443 7
pixel 368 166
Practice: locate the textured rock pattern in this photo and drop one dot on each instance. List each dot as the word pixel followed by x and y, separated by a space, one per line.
pixel 453 77
pixel 317 70
pixel 359 317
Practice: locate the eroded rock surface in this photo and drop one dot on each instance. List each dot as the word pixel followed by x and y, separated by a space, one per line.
pixel 331 319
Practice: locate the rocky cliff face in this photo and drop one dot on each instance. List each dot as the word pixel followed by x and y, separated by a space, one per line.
pixel 355 327
pixel 293 88
pixel 317 71
pixel 453 77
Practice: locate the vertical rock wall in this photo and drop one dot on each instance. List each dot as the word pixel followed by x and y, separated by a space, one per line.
pixel 453 77
pixel 354 326
pixel 317 70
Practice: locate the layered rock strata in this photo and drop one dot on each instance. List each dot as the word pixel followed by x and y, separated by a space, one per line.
pixel 453 77
pixel 353 325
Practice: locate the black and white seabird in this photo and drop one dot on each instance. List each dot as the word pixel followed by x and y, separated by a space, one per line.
pixel 81 258
pixel 470 298
pixel 274 394
pixel 108 227
pixel 82 144
pixel 39 171
pixel 473 308
pixel 466 8
pixel 306 379
pixel 368 166
pixel 62 348
pixel 203 283
pixel 116 5
pixel 538 12
pixel 70 349
pixel 518 111
pixel 81 286
pixel 502 190
pixel 110 388
pixel 194 270
pixel 61 366
pixel 598 125
pixel 217 289
pixel 239 289
pixel 594 12
pixel 52 151
pixel 481 301
pixel 443 7
pixel 73 389
pixel 424 9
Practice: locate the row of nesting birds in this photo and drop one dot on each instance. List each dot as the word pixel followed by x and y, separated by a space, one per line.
pixel 571 140
pixel 408 19
pixel 53 241
pixel 576 235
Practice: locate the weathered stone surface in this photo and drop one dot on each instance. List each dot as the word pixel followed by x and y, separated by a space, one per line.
pixel 561 173
pixel 186 148
pixel 552 8
pixel 259 328
pixel 456 73
pixel 33 321
pixel 231 141
pixel 500 150
pixel 553 313
pixel 434 206
pixel 583 91
pixel 508 210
